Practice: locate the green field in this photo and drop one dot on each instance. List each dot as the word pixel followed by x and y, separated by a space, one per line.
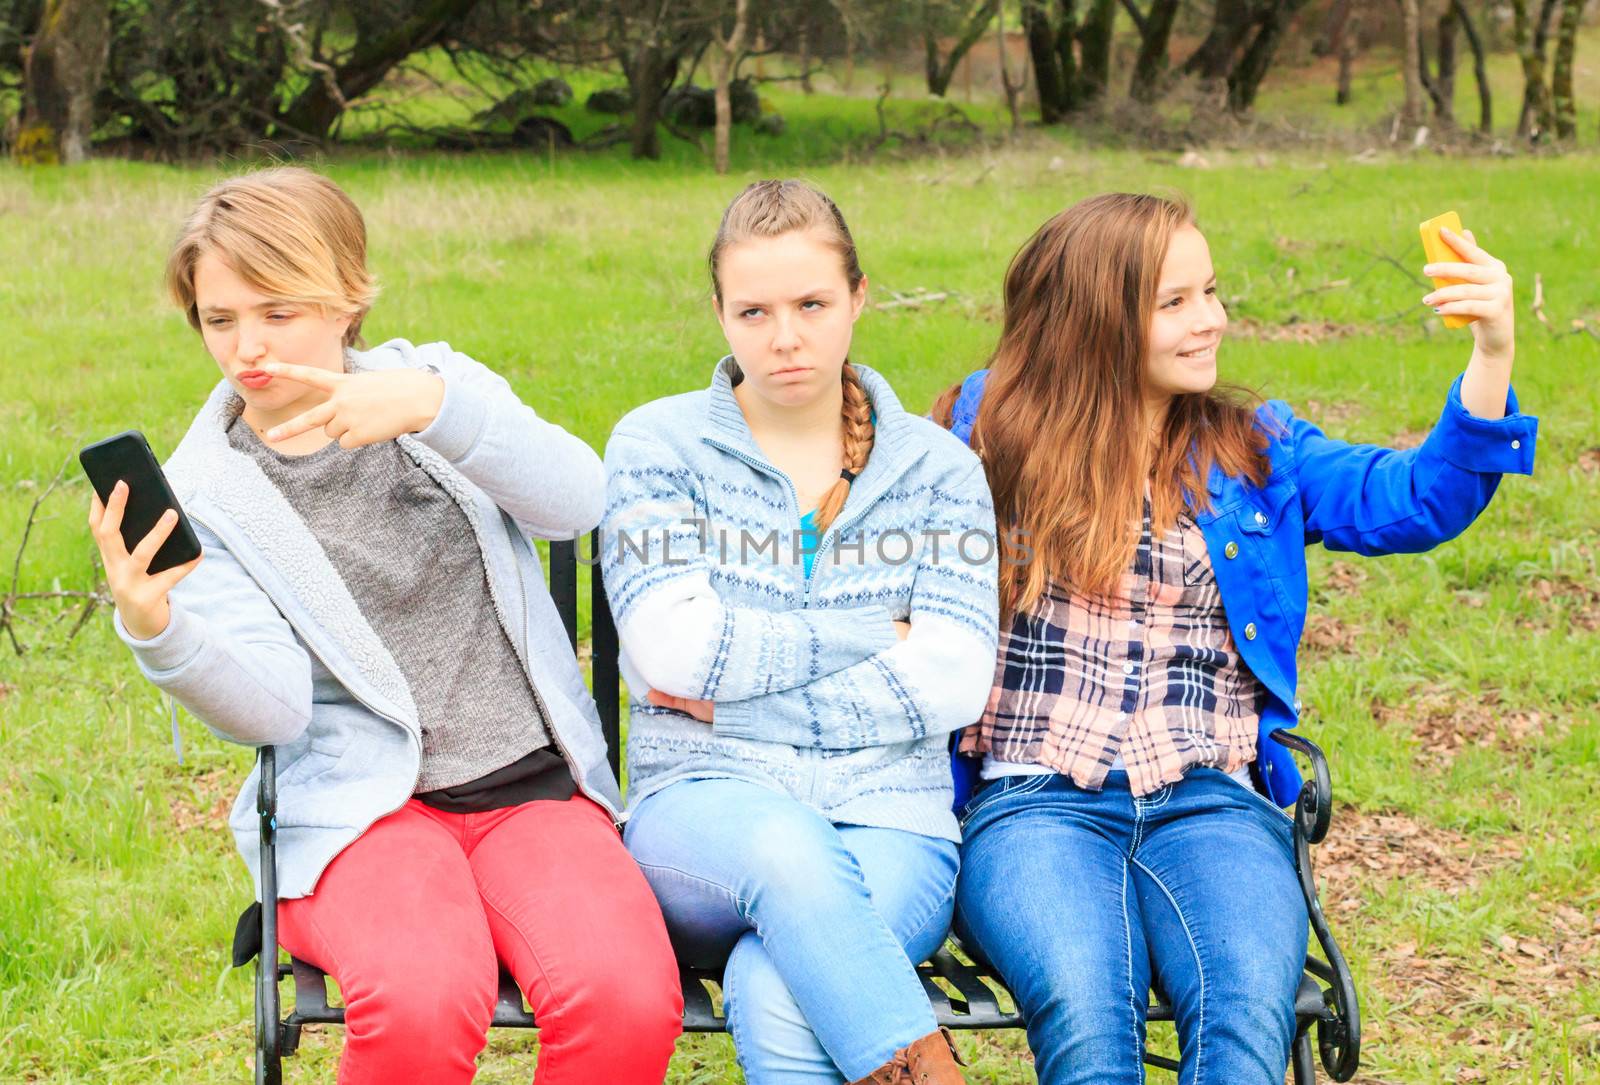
pixel 1455 692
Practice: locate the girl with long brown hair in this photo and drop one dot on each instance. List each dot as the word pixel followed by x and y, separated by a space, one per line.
pixel 1129 828
pixel 802 628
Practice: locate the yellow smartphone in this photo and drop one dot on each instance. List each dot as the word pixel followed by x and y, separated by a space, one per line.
pixel 1437 252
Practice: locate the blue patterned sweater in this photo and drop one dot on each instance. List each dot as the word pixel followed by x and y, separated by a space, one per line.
pixel 815 695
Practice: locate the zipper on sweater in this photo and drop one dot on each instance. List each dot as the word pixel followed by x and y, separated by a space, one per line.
pixel 538 698
pixel 834 531
pixel 821 548
pixel 794 495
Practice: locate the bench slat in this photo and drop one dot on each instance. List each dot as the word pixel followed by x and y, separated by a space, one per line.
pixel 979 1007
pixel 699 1012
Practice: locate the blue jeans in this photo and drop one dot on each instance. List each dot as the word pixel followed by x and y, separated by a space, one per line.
pixel 820 924
pixel 1080 899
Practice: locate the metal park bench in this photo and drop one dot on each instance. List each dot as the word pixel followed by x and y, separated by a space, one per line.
pixel 964 991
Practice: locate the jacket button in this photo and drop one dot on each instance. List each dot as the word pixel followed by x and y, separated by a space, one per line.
pixel 1261 518
pixel 1516 444
pixel 1250 631
pixel 1231 550
pixel 1297 704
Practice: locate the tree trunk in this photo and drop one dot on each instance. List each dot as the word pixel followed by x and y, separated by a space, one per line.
pixel 1150 68
pixel 1347 56
pixel 805 56
pixel 1541 32
pixel 940 70
pixel 1245 79
pixel 1479 70
pixel 1012 90
pixel 1425 76
pixel 649 75
pixel 1411 35
pixel 1565 106
pixel 728 52
pixel 1330 39
pixel 1050 48
pixel 1535 117
pixel 1066 36
pixel 61 75
pixel 1213 58
pixel 1444 102
pixel 1094 49
pixel 849 56
pixel 378 48
pixel 1536 107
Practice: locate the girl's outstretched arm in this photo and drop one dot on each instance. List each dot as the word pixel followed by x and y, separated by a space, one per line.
pixel 1374 500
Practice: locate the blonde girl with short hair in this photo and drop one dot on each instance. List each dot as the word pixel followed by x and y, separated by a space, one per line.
pixel 369 602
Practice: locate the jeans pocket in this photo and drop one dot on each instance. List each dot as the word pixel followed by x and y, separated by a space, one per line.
pixel 1260 799
pixel 1016 784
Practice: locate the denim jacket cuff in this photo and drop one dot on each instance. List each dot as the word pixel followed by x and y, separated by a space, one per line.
pixel 1485 446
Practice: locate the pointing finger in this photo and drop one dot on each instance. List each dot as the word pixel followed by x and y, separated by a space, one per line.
pixel 320 379
pixel 315 418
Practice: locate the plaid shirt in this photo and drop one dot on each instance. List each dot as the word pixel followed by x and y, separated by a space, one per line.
pixel 1150 674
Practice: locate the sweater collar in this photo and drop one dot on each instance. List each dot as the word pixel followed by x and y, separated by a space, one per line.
pixel 894 438
pixel 896 446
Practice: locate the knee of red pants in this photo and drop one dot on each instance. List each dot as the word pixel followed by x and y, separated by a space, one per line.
pixel 409 1024
pixel 618 1024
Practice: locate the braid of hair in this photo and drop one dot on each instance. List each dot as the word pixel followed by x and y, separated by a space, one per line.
pixel 944 406
pixel 858 436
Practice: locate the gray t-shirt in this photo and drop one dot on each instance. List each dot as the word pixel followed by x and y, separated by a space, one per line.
pixel 408 556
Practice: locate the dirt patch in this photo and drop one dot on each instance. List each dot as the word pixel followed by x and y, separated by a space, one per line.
pixel 1336 413
pixel 1408 438
pixel 1582 601
pixel 202 802
pixel 1365 849
pixel 1589 461
pixel 1431 990
pixel 1446 722
pixel 1326 635
pixel 1297 331
pixel 1345 576
pixel 1536 976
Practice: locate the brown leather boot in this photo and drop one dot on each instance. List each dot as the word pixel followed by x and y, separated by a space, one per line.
pixel 932 1060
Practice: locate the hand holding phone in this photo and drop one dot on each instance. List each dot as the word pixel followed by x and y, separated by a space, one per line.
pixel 1471 287
pixel 146 544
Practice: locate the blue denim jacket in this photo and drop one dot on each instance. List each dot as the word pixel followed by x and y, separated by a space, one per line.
pixel 1361 498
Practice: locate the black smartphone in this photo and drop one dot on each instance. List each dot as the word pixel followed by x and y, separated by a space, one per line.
pixel 127 457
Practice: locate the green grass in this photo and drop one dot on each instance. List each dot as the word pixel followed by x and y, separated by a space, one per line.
pixel 581 278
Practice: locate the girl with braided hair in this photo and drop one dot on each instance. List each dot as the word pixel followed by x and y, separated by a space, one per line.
pixel 804 581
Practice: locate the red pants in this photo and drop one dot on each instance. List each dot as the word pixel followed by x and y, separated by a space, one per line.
pixel 413 919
